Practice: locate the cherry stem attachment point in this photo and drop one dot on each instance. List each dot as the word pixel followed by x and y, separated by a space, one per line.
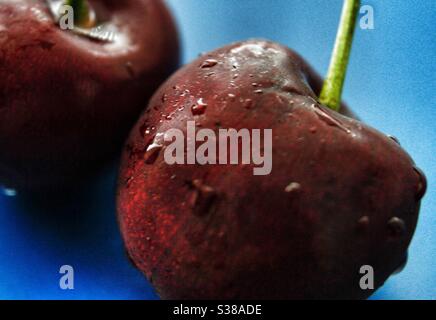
pixel 333 85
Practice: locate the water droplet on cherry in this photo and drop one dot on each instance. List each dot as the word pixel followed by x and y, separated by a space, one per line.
pixel 422 184
pixel 396 227
pixel 231 96
pixel 292 187
pixel 199 108
pixel 203 198
pixel 153 150
pixel 209 63
pixel 323 116
pixel 395 139
pixel 363 223
pixel 248 103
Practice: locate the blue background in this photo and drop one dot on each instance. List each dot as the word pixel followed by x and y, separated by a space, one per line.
pixel 391 85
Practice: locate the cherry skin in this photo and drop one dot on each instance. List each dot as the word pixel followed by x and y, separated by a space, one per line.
pixel 68 101
pixel 340 196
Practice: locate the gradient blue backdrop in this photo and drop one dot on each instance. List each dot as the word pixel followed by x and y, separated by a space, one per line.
pixel 391 85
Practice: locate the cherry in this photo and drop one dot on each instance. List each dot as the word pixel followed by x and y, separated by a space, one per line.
pixel 69 97
pixel 341 195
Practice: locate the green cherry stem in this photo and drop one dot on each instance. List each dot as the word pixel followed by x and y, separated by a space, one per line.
pixel 333 85
pixel 83 13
